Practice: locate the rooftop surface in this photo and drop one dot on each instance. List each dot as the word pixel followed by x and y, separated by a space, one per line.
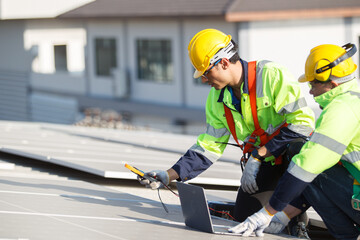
pixel 53 184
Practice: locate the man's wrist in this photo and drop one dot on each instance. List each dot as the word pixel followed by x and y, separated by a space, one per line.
pixel 256 155
pixel 270 209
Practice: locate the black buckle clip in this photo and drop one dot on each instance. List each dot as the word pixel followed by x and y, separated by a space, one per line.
pixel 355 203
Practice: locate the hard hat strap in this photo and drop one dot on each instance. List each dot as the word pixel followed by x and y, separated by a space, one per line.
pixel 350 50
pixel 342 79
pixel 226 52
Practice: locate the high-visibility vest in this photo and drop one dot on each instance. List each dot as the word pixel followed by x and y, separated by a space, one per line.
pixel 248 146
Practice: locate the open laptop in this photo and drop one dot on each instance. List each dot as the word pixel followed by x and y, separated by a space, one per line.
pixel 196 210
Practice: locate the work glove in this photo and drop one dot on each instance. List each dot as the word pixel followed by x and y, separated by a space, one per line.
pixel 248 179
pixel 160 177
pixel 278 223
pixel 255 223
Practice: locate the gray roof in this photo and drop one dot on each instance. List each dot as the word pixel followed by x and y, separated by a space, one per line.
pixel 149 8
pixel 231 10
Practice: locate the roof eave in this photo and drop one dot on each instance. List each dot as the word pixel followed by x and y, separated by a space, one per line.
pixel 291 14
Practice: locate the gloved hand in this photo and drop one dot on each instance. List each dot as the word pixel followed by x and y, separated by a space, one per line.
pixel 161 176
pixel 248 182
pixel 278 223
pixel 256 222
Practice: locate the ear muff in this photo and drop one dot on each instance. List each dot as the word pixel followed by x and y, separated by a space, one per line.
pixel 323 66
pixel 324 75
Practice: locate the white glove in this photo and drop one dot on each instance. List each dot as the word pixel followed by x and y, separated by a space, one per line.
pixel 256 222
pixel 278 223
pixel 248 179
pixel 161 177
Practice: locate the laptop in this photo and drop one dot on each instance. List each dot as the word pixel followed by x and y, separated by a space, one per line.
pixel 196 212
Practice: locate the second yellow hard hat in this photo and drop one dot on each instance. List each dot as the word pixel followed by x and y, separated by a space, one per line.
pixel 316 66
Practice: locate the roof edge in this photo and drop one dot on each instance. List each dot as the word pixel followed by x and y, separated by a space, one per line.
pixel 292 14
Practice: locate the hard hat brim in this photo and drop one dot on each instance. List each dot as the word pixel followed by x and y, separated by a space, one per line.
pixel 303 79
pixel 197 74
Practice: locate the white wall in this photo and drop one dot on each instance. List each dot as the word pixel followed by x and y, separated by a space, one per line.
pixel 163 93
pixel 105 86
pixel 286 42
pixel 40 38
pixel 289 43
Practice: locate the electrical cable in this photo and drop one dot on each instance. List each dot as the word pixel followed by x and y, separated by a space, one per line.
pixel 162 203
pixel 222 212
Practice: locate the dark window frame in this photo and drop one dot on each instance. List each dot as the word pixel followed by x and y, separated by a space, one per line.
pixel 60 58
pixel 154 60
pixel 105 56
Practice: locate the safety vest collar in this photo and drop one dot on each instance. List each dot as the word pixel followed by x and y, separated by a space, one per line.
pixel 324 99
pixel 244 65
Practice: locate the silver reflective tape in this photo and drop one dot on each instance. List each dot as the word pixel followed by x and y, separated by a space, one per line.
pixel 328 143
pixel 355 93
pixel 300 173
pixel 259 80
pixel 294 106
pixel 217 133
pixel 270 130
pixel 209 155
pixel 301 129
pixel 351 157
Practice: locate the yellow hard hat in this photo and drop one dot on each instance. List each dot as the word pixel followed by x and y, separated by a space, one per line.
pixel 329 60
pixel 203 46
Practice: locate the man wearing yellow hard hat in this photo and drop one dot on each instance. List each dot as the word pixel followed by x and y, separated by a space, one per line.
pixel 328 165
pixel 259 103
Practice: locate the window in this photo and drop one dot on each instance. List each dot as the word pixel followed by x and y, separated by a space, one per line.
pixel 60 58
pixel 105 56
pixel 154 60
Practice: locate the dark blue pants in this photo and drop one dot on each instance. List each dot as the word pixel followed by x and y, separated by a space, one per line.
pixel 266 179
pixel 330 195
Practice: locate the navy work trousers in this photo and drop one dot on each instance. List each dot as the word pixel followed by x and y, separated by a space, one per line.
pixel 330 195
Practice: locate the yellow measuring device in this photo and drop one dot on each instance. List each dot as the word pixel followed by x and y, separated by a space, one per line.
pixel 135 170
pixel 140 173
pixel 152 179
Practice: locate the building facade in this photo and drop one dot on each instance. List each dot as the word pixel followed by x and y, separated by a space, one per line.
pixel 115 54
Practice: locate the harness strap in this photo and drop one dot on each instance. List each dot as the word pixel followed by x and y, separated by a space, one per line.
pixel 248 147
pixel 231 124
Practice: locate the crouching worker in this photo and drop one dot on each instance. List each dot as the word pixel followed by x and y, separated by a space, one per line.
pixel 327 169
pixel 259 103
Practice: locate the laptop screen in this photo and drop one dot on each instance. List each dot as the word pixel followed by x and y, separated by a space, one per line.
pixel 194 207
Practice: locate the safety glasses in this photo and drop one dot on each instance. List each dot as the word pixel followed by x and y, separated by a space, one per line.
pixel 207 71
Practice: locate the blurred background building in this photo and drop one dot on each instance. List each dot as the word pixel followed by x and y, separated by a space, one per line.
pixel 125 61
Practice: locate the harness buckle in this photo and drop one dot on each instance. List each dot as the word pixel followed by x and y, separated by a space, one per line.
pixel 252 139
pixel 355 203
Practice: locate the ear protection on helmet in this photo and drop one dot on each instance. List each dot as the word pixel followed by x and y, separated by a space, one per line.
pixel 322 66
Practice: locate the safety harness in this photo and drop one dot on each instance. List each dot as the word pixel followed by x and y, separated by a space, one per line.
pixel 355 201
pixel 248 146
